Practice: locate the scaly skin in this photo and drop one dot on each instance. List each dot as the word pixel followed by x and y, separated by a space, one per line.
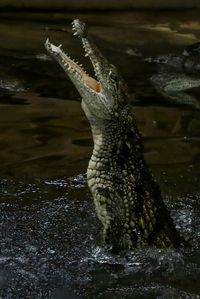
pixel 127 199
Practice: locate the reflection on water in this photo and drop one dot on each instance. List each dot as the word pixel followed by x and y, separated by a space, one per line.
pixel 50 237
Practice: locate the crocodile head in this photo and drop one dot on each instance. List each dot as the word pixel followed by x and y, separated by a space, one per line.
pixel 104 96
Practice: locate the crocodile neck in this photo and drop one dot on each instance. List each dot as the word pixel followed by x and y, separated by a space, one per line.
pixel 117 150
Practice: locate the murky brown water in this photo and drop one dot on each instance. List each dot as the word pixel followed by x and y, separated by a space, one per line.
pixel 48 226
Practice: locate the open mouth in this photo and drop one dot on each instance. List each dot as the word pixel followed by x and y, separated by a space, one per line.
pixel 72 68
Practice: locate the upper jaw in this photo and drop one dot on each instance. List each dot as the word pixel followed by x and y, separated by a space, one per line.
pixel 99 62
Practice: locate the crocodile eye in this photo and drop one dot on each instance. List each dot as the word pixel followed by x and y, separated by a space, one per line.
pixel 112 76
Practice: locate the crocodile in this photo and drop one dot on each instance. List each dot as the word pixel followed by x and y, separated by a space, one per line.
pixel 127 198
pixel 177 73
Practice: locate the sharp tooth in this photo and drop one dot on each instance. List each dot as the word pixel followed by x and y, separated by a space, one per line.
pixel 86 54
pixel 60 46
pixel 75 33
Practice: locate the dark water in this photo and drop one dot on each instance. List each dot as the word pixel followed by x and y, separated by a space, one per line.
pixel 50 236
